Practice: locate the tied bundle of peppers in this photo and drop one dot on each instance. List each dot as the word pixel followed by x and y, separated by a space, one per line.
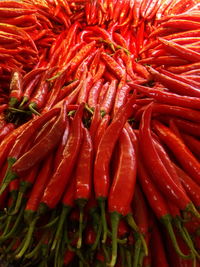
pixel 99 133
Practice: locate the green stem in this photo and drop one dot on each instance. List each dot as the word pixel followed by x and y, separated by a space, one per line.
pixel 115 218
pixel 81 205
pixel 18 204
pixel 191 208
pixel 133 225
pixel 59 231
pixel 98 235
pixel 137 250
pixel 128 258
pixel 122 255
pixel 35 250
pixel 32 107
pixel 166 220
pixel 24 101
pixel 102 204
pixel 9 176
pixel 27 239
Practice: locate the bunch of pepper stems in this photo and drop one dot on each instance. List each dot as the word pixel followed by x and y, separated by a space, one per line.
pixel 99 133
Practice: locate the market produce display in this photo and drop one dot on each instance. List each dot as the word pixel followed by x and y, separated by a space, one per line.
pixel 100 133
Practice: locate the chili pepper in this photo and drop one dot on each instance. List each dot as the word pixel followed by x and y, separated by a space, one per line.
pixel 182 23
pixel 136 12
pixel 179 50
pixel 87 84
pixel 155 165
pixel 108 101
pixel 100 71
pixel 62 174
pixel 121 95
pixel 175 85
pixel 184 68
pixel 193 143
pixel 180 78
pixel 94 93
pixel 103 92
pixel 106 146
pixel 167 97
pixel 158 204
pixel 9 127
pixel 15 88
pixel 100 131
pixel 68 257
pixel 164 60
pixel 45 145
pixel 96 120
pixel 113 65
pixel 38 189
pixel 116 207
pixel 83 178
pixel 190 186
pixel 158 250
pixel 182 153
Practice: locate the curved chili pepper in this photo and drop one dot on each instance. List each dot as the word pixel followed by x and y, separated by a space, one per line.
pixel 45 145
pixel 184 68
pixel 164 60
pixel 9 127
pixel 113 65
pixel 168 98
pixel 106 146
pixel 182 153
pixel 62 173
pixel 83 94
pixel 152 160
pixel 100 131
pixel 108 101
pixel 94 93
pixel 188 127
pixel 127 163
pixel 96 120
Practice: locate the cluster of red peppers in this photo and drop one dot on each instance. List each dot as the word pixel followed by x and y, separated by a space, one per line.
pixel 100 133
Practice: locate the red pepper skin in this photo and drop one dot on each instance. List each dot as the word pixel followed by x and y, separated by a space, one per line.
pixel 180 150
pixel 103 92
pixel 113 65
pixel 66 90
pixel 100 71
pixel 68 257
pixel 158 251
pixel 94 93
pixel 108 101
pixel 164 60
pixel 192 143
pixel 96 119
pixel 105 148
pixel 45 145
pixel 152 160
pixel 62 174
pixel 166 97
pixel 15 88
pixel 83 172
pixel 188 127
pixel 182 24
pixel 184 68
pixel 100 131
pixel 9 127
pixel 174 85
pixel 127 163
pixel 84 92
pixel 190 186
pixel 180 50
pixel 185 113
pixel 39 185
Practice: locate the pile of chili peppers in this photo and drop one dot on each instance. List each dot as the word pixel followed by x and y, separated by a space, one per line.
pixel 100 133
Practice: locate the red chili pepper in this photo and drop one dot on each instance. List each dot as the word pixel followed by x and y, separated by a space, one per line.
pixel 96 120
pixel 165 182
pixel 15 88
pixel 188 127
pixel 103 91
pixel 9 127
pixel 94 93
pixel 184 68
pixel 164 60
pixel 159 255
pixel 83 175
pixel 68 257
pixel 106 146
pixel 100 71
pixel 108 101
pixel 118 207
pixel 180 150
pixel 168 98
pixel 192 143
pixel 182 24
pixel 38 188
pixel 113 65
pixel 84 92
pixel 62 174
pixel 174 84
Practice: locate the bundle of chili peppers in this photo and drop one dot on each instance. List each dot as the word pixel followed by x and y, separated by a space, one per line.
pixel 100 133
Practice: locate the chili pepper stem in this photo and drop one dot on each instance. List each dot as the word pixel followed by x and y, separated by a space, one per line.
pixel 98 235
pixel 33 110
pixel 8 178
pixel 133 225
pixel 28 239
pixel 50 224
pixel 13 101
pixel 62 219
pixel 81 204
pixel 115 218
pixel 34 251
pixel 166 220
pixel 102 204
pixel 18 204
pixel 128 258
pixel 191 208
pixel 24 101
pixel 137 251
